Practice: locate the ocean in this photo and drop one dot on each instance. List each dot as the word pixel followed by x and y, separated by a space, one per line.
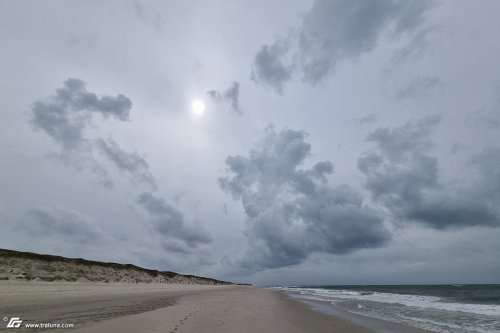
pixel 440 308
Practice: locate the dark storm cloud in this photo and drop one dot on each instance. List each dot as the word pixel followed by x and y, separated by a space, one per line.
pixel 292 211
pixel 65 224
pixel 332 31
pixel 170 222
pixel 402 175
pixel 131 163
pixel 230 96
pixel 66 114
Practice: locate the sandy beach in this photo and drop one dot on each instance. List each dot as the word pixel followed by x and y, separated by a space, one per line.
pixel 100 307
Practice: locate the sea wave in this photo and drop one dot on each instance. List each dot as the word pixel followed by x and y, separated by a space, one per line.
pixel 430 302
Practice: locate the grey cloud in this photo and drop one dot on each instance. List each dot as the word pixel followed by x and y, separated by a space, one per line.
pixel 333 30
pixel 271 66
pixel 175 246
pixel 292 212
pixel 487 163
pixel 398 142
pixel 322 169
pixel 403 176
pixel 336 30
pixel 54 121
pixel 66 224
pixel 66 114
pixel 170 222
pixel 368 119
pixel 488 119
pixel 454 211
pixel 83 160
pixel 417 87
pixel 131 163
pixel 231 96
pixel 457 146
pixel 149 15
pixel 415 47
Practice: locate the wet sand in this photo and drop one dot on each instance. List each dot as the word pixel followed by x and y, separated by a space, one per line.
pixel 373 324
pixel 101 307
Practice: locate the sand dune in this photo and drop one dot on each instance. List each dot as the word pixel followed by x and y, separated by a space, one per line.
pixel 16 265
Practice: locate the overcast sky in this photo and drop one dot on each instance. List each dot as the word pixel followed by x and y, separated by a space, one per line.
pixel 342 141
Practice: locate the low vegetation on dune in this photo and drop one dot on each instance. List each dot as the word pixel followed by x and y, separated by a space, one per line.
pixel 27 266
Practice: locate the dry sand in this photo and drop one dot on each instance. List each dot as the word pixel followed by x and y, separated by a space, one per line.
pixel 100 307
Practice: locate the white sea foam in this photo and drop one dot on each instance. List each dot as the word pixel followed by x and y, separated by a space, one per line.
pixel 430 302
pixel 431 324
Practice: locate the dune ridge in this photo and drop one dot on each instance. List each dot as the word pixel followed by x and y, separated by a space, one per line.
pixel 27 266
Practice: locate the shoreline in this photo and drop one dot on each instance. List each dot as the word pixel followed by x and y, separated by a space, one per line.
pixel 175 308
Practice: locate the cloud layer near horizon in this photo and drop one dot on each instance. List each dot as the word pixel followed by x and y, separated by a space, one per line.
pixel 170 223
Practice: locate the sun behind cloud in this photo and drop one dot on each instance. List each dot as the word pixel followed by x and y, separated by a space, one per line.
pixel 198 107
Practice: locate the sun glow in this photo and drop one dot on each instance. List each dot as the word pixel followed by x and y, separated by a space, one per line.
pixel 198 107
